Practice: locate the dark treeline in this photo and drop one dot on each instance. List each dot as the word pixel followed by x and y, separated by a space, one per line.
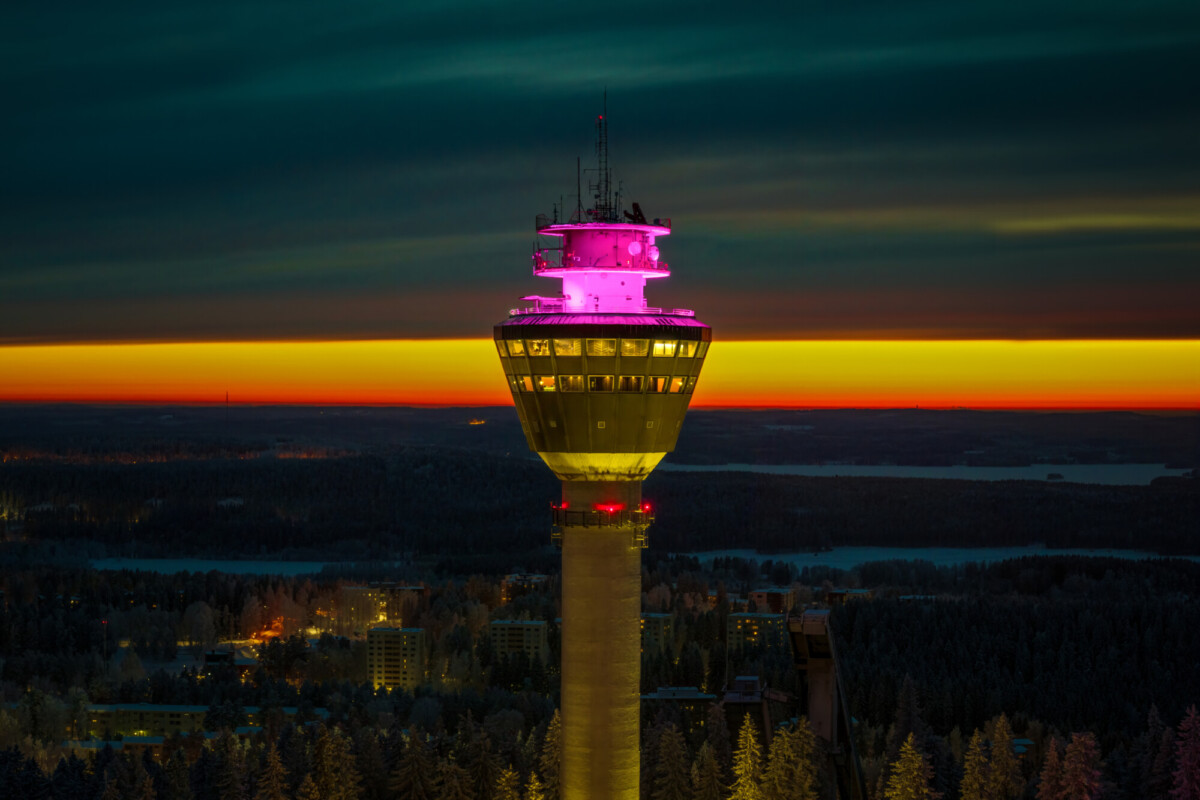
pixel 455 502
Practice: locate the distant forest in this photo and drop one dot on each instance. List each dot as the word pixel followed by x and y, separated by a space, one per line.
pixel 437 501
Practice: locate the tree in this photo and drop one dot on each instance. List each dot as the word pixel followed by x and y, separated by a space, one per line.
pixel 507 785
pixel 706 775
pixel 1187 753
pixel 747 763
pixel 271 781
pixel 911 775
pixel 1004 772
pixel 791 772
pixel 670 778
pixel 534 789
pixel 334 772
pixel 1050 786
pixel 1081 768
pixel 717 731
pixel 308 790
pixel 413 778
pixel 550 760
pixel 453 782
pixel 483 766
pixel 975 770
pixel 178 783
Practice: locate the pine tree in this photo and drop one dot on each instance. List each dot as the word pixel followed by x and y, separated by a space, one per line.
pixel 791 772
pixel 308 790
pixel 272 779
pixel 1004 771
pixel 1081 768
pixel 507 785
pixel 453 782
pixel 231 767
pixel 414 778
pixel 717 732
pixel 535 789
pixel 747 764
pixel 706 776
pixel 975 772
pixel 550 760
pixel 1050 786
pixel 483 766
pixel 1160 777
pixel 670 779
pixel 178 784
pixel 1187 753
pixel 911 776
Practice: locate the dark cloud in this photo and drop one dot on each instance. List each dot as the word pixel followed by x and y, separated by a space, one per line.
pixel 272 170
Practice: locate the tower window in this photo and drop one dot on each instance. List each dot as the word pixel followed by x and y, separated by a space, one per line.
pixel 525 382
pixel 516 347
pixel 501 349
pixel 539 347
pixel 677 385
pixel 567 347
pixel 687 349
pixel 546 383
pixel 664 348
pixel 657 383
pixel 635 347
pixel 601 347
pixel 691 385
pixel 600 383
pixel 630 383
pixel 570 383
pixel 703 349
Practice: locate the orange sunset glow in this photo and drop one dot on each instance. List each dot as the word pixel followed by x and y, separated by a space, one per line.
pixel 860 374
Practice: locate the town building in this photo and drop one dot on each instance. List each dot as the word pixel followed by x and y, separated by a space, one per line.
pixel 396 657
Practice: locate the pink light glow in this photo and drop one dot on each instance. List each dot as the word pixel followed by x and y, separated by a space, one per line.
pixel 611 508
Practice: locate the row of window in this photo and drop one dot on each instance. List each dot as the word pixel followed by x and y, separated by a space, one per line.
pixel 663 348
pixel 655 384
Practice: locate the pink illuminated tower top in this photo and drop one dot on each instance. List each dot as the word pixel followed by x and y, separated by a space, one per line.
pixel 603 256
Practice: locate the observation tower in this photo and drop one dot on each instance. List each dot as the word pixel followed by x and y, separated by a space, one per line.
pixel 601 383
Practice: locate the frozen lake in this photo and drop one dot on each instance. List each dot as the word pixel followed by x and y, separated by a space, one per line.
pixel 169 566
pixel 1104 474
pixel 850 557
pixel 840 557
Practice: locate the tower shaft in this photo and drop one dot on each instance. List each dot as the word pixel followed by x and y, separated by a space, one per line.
pixel 601 647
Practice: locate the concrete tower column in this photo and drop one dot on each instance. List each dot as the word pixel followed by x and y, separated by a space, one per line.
pixel 601 646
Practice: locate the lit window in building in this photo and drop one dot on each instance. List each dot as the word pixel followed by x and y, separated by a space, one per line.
pixel 687 349
pixel 514 383
pixel 601 347
pixel 567 347
pixel 570 383
pixel 516 347
pixel 600 383
pixel 526 383
pixel 657 383
pixel 664 348
pixel 703 349
pixel 546 383
pixel 500 348
pixel 635 347
pixel 539 347
pixel 630 383
pixel 677 385
pixel 691 386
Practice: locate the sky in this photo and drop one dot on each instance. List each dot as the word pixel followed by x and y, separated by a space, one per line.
pixel 291 172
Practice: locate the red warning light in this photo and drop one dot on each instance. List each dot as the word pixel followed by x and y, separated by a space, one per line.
pixel 611 508
pixel 646 507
